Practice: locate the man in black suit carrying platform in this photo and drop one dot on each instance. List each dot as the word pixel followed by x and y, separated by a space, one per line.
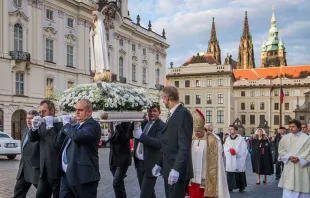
pixel 78 160
pixel 46 134
pixel 29 167
pixel 147 151
pixel 176 162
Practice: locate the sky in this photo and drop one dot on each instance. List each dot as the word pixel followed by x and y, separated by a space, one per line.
pixel 188 25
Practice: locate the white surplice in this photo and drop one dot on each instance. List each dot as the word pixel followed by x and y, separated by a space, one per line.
pixel 295 176
pixel 235 163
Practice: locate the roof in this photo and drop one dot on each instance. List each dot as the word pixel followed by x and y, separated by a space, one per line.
pixel 201 58
pixel 272 72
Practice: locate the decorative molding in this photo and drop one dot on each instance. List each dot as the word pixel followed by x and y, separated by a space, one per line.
pixel 36 3
pixel 60 14
pixel 122 52
pixel 71 37
pixel 110 48
pixel 50 29
pixel 135 58
pixel 144 62
pixel 18 14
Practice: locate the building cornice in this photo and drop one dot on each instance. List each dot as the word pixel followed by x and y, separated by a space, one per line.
pixel 199 74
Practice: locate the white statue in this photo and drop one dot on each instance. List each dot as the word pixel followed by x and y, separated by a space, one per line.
pixel 99 51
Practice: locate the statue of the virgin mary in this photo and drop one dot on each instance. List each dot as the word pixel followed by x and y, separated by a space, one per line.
pixel 98 46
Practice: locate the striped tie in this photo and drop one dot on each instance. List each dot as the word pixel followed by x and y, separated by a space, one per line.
pixel 168 116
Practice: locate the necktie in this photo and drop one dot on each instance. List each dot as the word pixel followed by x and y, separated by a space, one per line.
pixel 145 131
pixel 168 116
pixel 65 159
pixel 26 138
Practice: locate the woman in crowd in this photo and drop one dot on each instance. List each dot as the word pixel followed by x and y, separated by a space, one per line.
pixel 261 156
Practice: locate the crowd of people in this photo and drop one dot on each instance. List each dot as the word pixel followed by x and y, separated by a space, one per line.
pixel 61 158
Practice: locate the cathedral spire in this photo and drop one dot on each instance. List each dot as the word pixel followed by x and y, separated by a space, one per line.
pixel 213 45
pixel 246 29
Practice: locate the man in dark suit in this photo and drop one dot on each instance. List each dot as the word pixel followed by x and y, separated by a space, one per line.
pixel 279 164
pixel 46 134
pixel 176 162
pixel 147 151
pixel 120 155
pixel 78 161
pixel 29 167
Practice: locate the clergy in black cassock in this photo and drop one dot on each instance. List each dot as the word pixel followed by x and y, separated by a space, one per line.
pixel 261 156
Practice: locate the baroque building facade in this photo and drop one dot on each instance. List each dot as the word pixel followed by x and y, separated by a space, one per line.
pixel 44 49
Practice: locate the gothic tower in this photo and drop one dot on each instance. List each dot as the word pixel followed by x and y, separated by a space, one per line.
pixel 246 51
pixel 213 45
pixel 273 51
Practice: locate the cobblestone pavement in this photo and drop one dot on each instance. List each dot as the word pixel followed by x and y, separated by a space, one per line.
pixel 9 168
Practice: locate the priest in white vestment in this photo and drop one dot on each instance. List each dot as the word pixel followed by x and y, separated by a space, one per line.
pixel 294 151
pixel 208 167
pixel 235 150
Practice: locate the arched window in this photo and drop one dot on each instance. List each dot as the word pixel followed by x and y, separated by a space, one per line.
pixel 121 67
pixel 157 76
pixel 18 37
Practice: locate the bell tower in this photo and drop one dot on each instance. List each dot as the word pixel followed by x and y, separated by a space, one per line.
pixel 213 45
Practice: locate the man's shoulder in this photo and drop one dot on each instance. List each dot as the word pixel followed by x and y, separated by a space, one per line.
pixel 91 122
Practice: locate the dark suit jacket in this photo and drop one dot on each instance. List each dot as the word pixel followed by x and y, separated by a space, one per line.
pixel 276 146
pixel 82 152
pixel 176 145
pixel 120 154
pixel 29 166
pixel 49 149
pixel 151 146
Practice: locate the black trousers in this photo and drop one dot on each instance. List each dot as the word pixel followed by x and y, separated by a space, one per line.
pixel 22 187
pixel 46 189
pixel 236 180
pixel 88 190
pixel 279 168
pixel 177 190
pixel 118 180
pixel 146 183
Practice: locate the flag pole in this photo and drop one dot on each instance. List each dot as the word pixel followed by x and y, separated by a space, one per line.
pixel 281 98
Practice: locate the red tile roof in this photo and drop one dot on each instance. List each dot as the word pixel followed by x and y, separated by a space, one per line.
pixel 201 58
pixel 272 72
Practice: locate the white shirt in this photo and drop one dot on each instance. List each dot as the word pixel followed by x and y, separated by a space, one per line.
pixel 140 155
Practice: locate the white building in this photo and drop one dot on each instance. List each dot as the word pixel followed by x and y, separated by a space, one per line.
pixel 44 48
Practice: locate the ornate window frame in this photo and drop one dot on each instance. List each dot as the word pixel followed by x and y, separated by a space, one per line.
pixel 18 17
pixel 50 33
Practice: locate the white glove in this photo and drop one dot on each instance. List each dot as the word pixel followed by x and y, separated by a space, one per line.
pixel 49 121
pixel 156 170
pixel 135 125
pixel 173 177
pixel 35 123
pixel 137 133
pixel 66 119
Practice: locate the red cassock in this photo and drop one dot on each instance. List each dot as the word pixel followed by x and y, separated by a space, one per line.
pixel 195 191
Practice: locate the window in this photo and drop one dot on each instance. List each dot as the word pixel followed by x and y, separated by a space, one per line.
pixel 144 76
pixel 276 119
pixel 49 87
pixel 242 119
pixel 220 130
pixel 108 36
pixel 242 106
pixel 176 83
pixel 19 83
pixel 198 84
pixel 262 106
pixel 144 51
pixel 252 119
pixel 70 55
pixel 18 37
pixel 198 99
pixel 49 14
pixel 133 72
pixel 287 93
pixel 121 67
pixel 261 119
pixel 252 93
pixel 49 50
pixel 18 3
pixel 1 120
pixel 209 82
pixel 209 99
pixel 157 57
pixel 187 99
pixel 70 22
pixel 70 84
pixel 220 98
pixel 187 83
pixel 242 93
pixel 276 93
pixel 220 82
pixel 209 116
pixel 133 46
pixel 252 106
pixel 287 106
pixel 220 116
pixel 121 42
pixel 301 117
pixel 157 75
pixel 262 93
pixel 287 119
pixel 276 106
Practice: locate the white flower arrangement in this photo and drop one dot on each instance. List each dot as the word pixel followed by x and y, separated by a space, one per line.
pixel 108 97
